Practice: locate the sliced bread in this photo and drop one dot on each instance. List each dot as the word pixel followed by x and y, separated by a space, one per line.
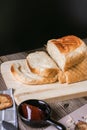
pixel 67 51
pixel 22 73
pixel 74 74
pixel 40 63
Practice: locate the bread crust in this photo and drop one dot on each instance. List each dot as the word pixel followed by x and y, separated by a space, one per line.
pixel 61 77
pixel 74 61
pixel 71 49
pixel 28 77
pixel 81 125
pixel 67 44
pixel 45 73
pixel 5 101
pixel 42 69
pixel 75 74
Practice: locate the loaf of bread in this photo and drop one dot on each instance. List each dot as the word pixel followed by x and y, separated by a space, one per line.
pixel 67 51
pixel 5 101
pixel 74 74
pixel 23 74
pixel 64 61
pixel 40 63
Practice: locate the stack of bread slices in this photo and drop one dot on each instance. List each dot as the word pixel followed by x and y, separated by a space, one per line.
pixel 64 61
pixel 37 68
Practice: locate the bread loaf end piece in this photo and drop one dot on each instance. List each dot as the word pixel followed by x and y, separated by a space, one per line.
pixel 67 51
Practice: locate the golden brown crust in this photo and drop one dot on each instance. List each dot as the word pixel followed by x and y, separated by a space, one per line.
pixel 45 73
pixel 23 78
pixel 74 61
pixel 77 73
pixel 81 125
pixel 74 74
pixel 5 101
pixel 61 77
pixel 67 43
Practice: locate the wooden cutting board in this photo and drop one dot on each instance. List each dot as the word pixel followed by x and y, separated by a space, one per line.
pixel 48 91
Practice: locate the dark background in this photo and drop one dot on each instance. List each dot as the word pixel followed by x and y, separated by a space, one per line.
pixel 28 24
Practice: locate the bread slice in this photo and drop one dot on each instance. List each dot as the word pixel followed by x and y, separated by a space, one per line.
pixel 40 63
pixel 22 73
pixel 67 51
pixel 75 74
pixel 5 101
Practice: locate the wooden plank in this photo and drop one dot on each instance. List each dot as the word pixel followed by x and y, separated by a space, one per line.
pixel 47 91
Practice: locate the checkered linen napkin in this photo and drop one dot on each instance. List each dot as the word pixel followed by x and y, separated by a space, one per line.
pixel 9 114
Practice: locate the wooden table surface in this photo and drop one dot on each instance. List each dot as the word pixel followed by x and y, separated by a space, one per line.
pixel 59 108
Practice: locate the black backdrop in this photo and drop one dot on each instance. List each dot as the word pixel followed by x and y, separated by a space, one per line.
pixel 28 24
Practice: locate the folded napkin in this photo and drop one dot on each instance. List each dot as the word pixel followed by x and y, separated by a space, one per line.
pixel 9 114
